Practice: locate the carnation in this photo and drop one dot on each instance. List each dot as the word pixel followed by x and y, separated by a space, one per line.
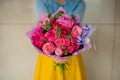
pixel 65 21
pixel 37 38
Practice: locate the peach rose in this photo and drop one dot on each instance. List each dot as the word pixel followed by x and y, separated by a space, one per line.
pixel 58 42
pixel 76 31
pixel 48 48
pixel 58 52
pixel 70 49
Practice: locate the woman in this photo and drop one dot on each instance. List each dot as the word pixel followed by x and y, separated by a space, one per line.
pixel 45 69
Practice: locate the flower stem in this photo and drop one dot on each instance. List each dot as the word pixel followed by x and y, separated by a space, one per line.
pixel 62 67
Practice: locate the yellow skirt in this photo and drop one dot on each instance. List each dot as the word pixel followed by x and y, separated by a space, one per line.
pixel 45 69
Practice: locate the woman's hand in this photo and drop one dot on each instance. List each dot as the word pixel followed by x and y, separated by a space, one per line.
pixel 61 60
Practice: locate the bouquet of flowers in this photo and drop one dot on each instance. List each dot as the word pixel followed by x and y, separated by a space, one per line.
pixel 60 35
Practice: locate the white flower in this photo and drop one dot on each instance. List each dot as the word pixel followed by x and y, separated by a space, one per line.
pixel 87 40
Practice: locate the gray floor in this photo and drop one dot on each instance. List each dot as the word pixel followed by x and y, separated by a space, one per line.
pixel 18 57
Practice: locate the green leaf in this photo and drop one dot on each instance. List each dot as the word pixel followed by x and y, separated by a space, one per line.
pixel 58 35
pixel 44 27
pixel 48 26
pixel 59 14
pixel 58 32
pixel 66 52
pixel 49 15
pixel 56 64
pixel 62 68
pixel 69 36
pixel 73 17
pixel 44 39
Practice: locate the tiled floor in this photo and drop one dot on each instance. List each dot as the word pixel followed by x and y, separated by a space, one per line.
pixel 18 57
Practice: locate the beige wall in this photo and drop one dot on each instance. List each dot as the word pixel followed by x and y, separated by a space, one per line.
pixel 18 57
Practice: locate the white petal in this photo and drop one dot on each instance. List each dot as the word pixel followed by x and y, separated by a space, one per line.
pixel 87 40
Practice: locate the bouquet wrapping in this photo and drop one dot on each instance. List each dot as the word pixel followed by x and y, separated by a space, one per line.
pixel 59 35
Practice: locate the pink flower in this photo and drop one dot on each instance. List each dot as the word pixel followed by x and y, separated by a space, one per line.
pixel 74 43
pixel 37 38
pixel 58 52
pixel 62 41
pixel 76 31
pixel 65 31
pixel 70 49
pixel 59 42
pixel 48 48
pixel 65 21
pixel 55 25
pixel 38 28
pixel 74 40
pixel 76 46
pixel 51 35
pixel 66 42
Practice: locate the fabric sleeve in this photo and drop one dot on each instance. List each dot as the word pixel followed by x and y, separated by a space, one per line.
pixel 40 7
pixel 80 10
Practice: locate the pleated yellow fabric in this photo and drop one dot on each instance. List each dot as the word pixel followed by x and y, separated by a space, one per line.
pixel 45 69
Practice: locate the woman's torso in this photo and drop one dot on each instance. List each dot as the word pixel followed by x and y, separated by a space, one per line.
pixel 71 6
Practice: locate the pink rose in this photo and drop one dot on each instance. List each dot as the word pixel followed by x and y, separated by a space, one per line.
pixel 74 43
pixel 65 21
pixel 74 40
pixel 76 31
pixel 70 49
pixel 66 42
pixel 48 48
pixel 65 31
pixel 55 25
pixel 51 35
pixel 59 42
pixel 58 52
pixel 76 46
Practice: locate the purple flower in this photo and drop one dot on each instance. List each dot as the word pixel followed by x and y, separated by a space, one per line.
pixel 87 31
pixel 80 41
